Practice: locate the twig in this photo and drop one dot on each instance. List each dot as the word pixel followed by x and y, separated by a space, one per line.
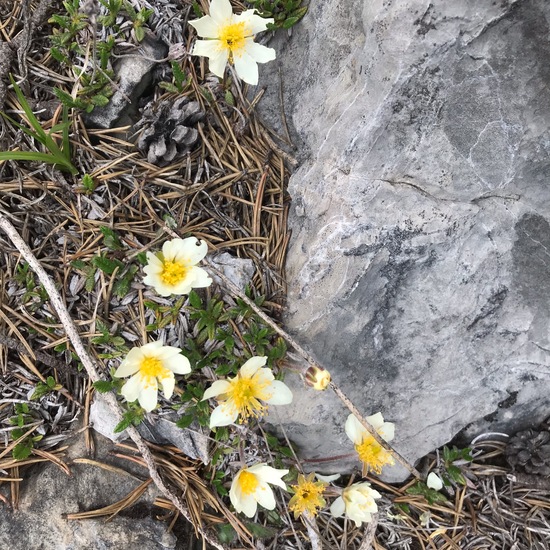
pixel 312 531
pixel 92 370
pixel 370 530
pixel 309 358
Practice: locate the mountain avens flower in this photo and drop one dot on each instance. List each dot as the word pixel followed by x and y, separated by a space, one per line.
pixel 148 366
pixel 246 394
pixel 175 270
pixel 250 488
pixel 357 502
pixel 373 456
pixel 230 38
pixel 308 496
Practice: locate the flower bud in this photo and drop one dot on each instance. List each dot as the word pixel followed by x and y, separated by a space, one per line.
pixel 318 378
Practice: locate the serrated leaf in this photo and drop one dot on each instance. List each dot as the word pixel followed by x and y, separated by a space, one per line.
pixel 169 87
pixel 106 265
pixel 103 386
pixel 22 450
pixel 185 421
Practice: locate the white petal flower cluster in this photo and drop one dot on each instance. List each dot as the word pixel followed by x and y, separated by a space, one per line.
pixel 357 503
pixel 230 38
pixel 246 394
pixel 250 488
pixel 149 366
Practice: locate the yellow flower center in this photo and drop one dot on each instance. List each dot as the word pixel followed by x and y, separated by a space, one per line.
pixel 173 273
pixel 150 369
pixel 248 483
pixel 245 393
pixel 373 455
pixel 308 496
pixel 232 37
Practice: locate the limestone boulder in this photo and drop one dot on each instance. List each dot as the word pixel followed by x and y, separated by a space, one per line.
pixel 419 264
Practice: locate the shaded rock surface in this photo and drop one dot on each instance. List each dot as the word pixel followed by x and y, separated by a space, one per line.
pixel 418 268
pixel 48 494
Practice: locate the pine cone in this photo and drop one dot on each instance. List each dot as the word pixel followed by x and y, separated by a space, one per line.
pixel 530 451
pixel 168 129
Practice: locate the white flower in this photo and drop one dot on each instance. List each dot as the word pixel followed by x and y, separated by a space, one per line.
pixel 230 38
pixel 433 481
pixel 148 365
pixel 174 270
pixel 357 502
pixel 250 488
pixel 371 453
pixel 243 394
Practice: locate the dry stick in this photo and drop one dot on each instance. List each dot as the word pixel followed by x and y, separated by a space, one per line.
pixel 308 357
pixel 91 369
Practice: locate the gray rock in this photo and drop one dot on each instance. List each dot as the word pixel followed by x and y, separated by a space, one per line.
pixel 238 270
pixel 48 494
pixel 161 430
pixel 419 265
pixel 134 74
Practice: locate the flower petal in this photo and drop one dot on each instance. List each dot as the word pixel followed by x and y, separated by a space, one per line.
pixel 217 55
pixel 223 415
pixel 246 68
pixel 206 27
pixel 148 397
pixel 251 366
pixel 375 420
pixel 168 383
pixel 338 507
pixel 259 53
pixel 433 481
pixel 355 430
pixel 280 393
pixel 248 505
pixel 132 388
pixel 387 431
pixel 221 11
pixel 178 364
pixel 201 279
pixel 217 388
pixel 254 23
pixel 269 475
pixel 264 495
pixel 327 479
pixel 127 368
pixel 190 250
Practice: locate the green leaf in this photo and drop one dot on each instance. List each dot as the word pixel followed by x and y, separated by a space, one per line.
pixel 169 87
pixel 22 450
pixel 185 421
pixel 195 300
pixel 140 33
pixel 226 533
pixel 100 100
pixel 290 22
pixel 197 9
pixel 103 386
pixel 106 265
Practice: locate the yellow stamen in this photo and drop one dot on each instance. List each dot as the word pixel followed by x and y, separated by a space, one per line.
pixel 245 394
pixel 232 37
pixel 373 455
pixel 173 273
pixel 308 496
pixel 248 483
pixel 150 369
